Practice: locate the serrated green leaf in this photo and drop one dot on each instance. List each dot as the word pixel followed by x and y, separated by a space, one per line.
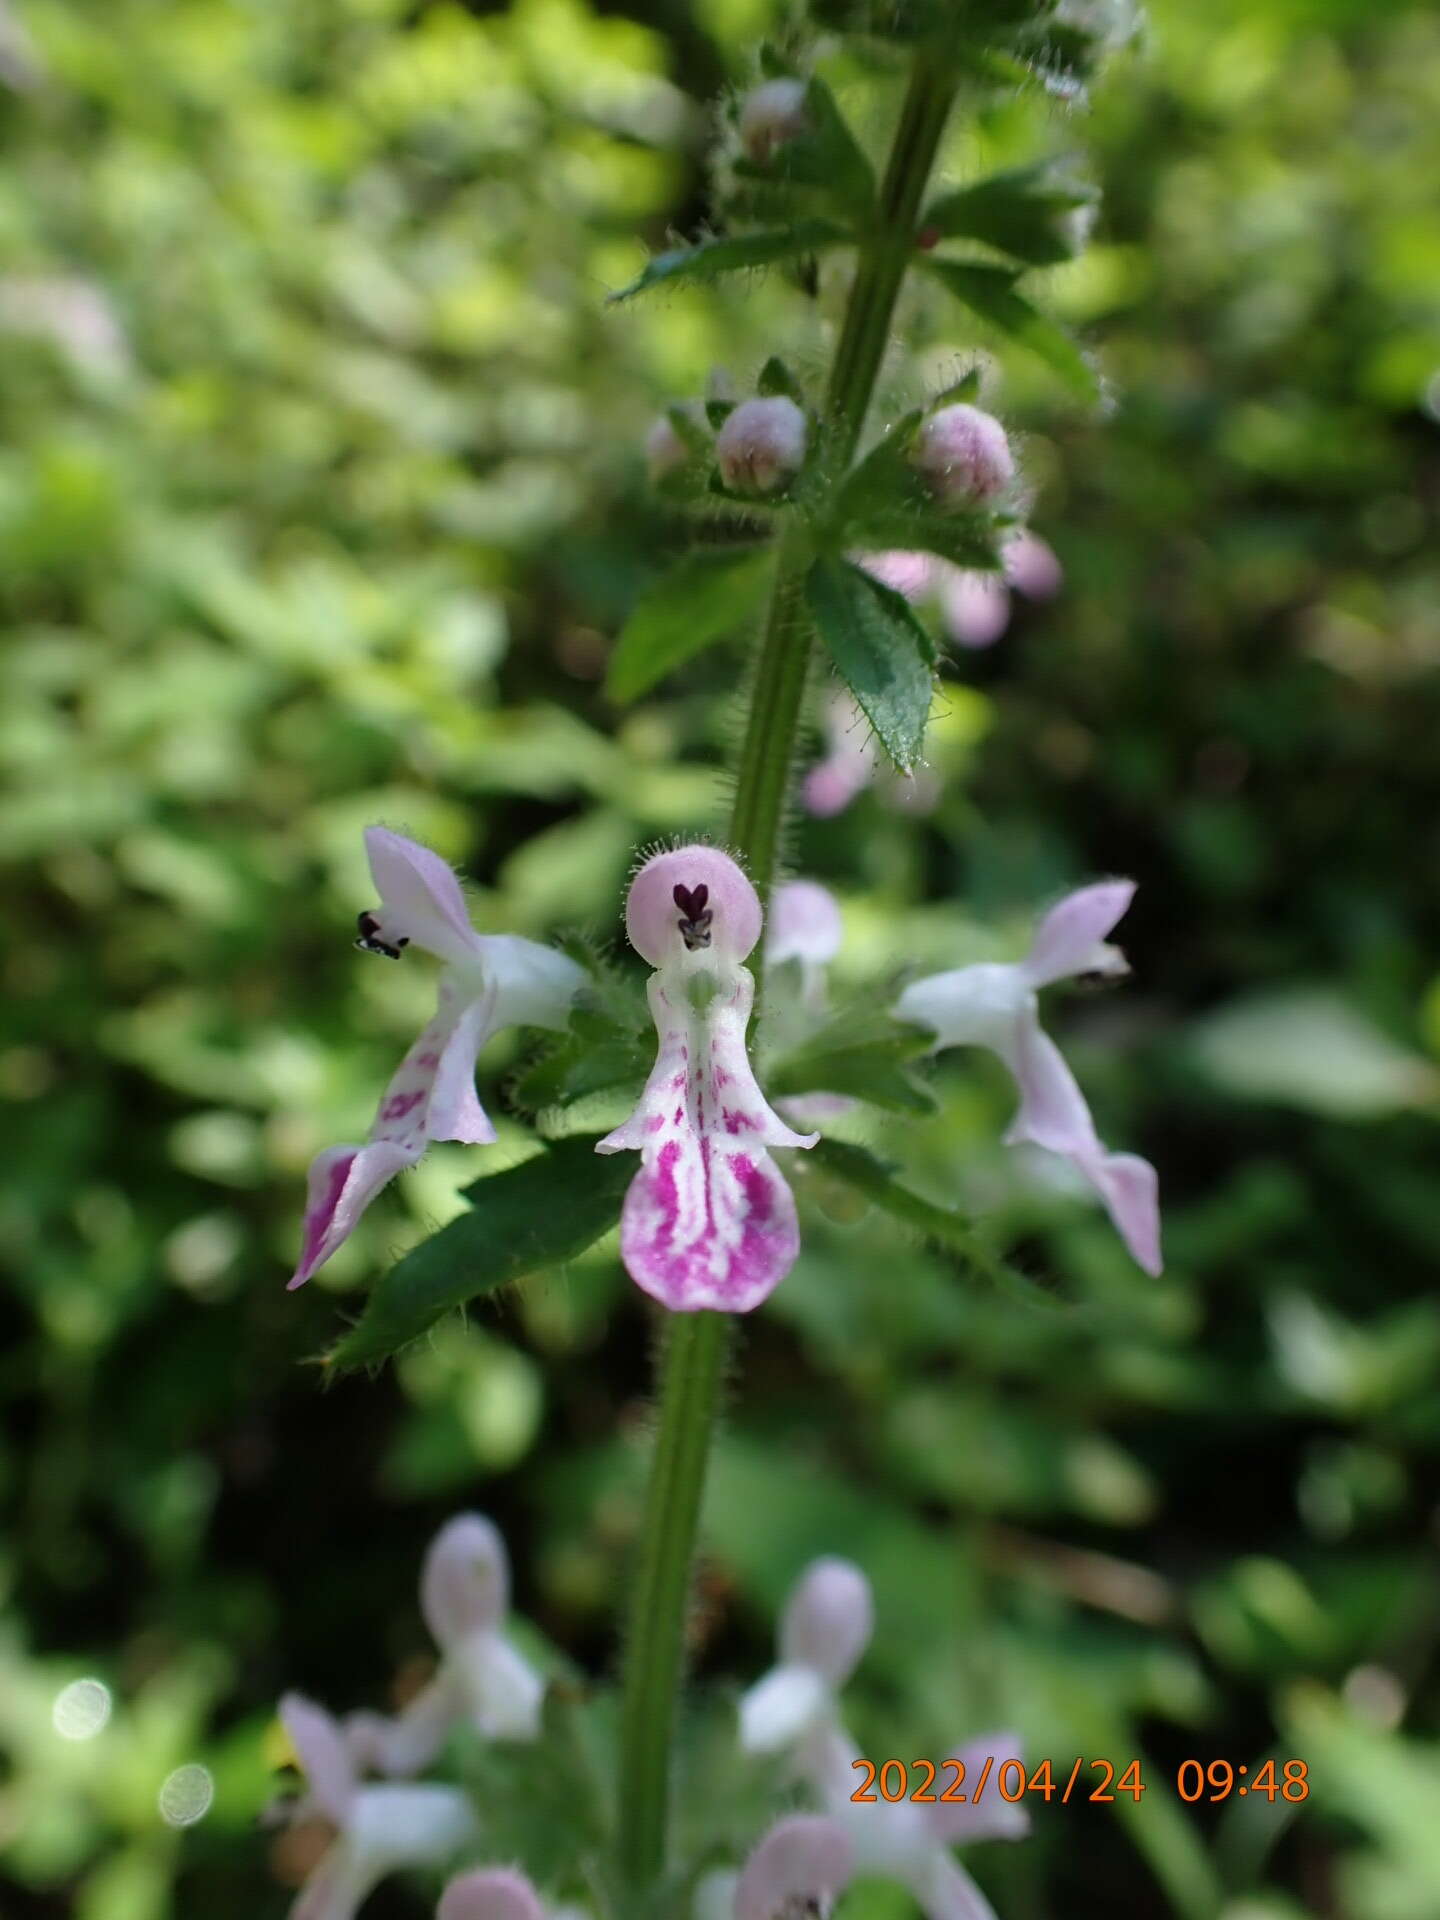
pixel 879 649
pixel 708 595
pixel 537 1215
pixel 875 1070
pixel 775 64
pixel 734 254
pixel 776 378
pixel 940 1226
pixel 1023 212
pixel 990 293
pixel 829 156
pixel 967 387
pixel 966 540
pixel 873 483
pixel 683 416
pixel 585 1062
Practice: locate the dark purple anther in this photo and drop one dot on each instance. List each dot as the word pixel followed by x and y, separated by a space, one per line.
pixel 695 916
pixel 368 939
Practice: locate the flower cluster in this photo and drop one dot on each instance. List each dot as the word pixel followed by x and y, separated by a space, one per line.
pixel 378 1827
pixel 709 1220
pixel 794 1712
pixel 482 1682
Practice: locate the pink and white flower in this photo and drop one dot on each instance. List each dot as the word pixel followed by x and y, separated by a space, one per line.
pixel 798 1869
pixel 804 926
pixel 378 1829
pixel 794 1709
pixel 708 1221
pixel 498 1893
pixel 997 1006
pixel 482 1681
pixel 489 981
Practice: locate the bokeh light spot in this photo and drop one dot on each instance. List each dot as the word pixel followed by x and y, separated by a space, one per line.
pixel 81 1709
pixel 186 1795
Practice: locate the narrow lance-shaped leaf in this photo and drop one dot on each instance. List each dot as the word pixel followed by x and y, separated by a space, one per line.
pixel 734 253
pixel 966 540
pixel 708 595
pixel 879 649
pixel 1026 212
pixel 543 1212
pixel 859 1169
pixel 990 293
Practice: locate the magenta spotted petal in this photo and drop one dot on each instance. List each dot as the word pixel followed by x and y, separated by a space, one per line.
pixel 431 1097
pixel 490 981
pixel 708 1221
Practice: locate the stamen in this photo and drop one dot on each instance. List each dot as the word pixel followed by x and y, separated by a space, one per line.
pixel 695 916
pixel 368 939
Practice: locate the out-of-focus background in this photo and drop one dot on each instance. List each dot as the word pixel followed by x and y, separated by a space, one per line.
pixel 321 502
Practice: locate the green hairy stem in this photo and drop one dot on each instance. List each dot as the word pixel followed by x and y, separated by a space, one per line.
pixel 692 1366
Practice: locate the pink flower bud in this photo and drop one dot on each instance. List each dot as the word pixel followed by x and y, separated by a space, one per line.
pixel 761 445
pixel 828 1620
pixel 690 898
pixel 964 457
pixel 492 1893
pixel 770 115
pixel 666 451
pixel 798 1868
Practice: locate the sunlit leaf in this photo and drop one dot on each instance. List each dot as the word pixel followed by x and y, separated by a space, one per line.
pixel 879 649
pixel 734 254
pixel 540 1214
pixel 708 595
pixel 990 293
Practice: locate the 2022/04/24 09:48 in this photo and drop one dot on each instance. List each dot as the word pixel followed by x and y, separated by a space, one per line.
pixel 950 1781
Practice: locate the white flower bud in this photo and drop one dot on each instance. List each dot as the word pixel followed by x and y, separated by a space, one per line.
pixel 770 115
pixel 761 445
pixel 964 456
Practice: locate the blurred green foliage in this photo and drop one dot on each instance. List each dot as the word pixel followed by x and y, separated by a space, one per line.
pixel 320 503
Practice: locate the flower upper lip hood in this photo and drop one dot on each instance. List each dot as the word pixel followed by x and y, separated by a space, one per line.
pixel 465 1597
pixel 996 1006
pixel 708 1221
pixel 489 981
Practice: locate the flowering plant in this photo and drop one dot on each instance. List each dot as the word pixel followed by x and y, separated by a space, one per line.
pixel 730 1119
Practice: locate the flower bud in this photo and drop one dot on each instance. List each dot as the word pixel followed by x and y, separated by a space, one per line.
pixel 666 449
pixel 964 457
pixel 491 1893
pixel 761 445
pixel 770 115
